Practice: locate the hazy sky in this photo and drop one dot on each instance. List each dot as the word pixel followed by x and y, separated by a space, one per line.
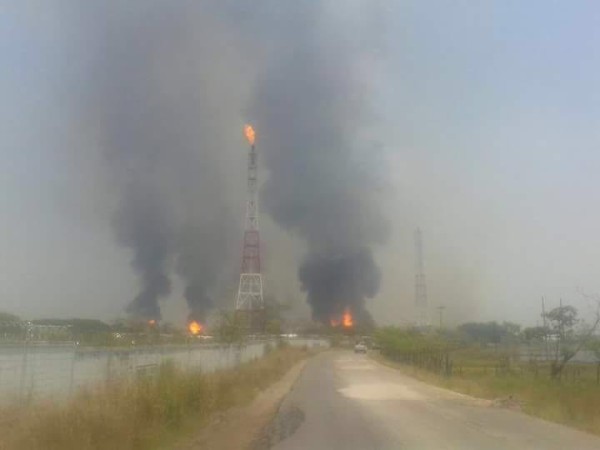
pixel 486 117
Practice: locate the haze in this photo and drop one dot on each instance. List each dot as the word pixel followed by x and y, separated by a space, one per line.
pixel 477 122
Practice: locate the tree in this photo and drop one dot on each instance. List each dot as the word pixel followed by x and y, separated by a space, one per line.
pixel 8 318
pixel 230 328
pixel 512 329
pixel 10 325
pixel 78 326
pixel 535 333
pixel 561 323
pixel 484 332
pixel 273 315
pixel 594 347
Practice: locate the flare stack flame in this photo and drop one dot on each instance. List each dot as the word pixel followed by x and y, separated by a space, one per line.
pixel 250 134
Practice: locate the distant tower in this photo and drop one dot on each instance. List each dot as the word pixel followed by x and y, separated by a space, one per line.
pixel 420 284
pixel 250 293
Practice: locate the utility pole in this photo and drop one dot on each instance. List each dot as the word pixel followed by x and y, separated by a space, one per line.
pixel 441 311
pixel 545 329
pixel 420 283
pixel 561 331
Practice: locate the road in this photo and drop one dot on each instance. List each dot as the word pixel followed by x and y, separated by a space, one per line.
pixel 347 401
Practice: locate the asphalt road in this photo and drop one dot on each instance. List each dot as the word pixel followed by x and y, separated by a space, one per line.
pixel 347 401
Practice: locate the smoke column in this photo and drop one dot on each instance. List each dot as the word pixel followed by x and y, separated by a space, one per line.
pixel 310 106
pixel 161 102
pixel 166 84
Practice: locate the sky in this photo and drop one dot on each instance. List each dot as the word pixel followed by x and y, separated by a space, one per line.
pixel 484 119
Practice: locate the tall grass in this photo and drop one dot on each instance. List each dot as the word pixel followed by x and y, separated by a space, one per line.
pixel 493 374
pixel 143 414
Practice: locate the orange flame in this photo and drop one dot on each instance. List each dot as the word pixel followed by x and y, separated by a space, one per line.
pixel 250 134
pixel 195 327
pixel 152 322
pixel 347 319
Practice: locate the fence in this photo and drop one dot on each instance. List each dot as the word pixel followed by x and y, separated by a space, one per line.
pixel 32 371
pixel 538 353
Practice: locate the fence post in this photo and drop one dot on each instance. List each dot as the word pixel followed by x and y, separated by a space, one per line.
pixel 23 370
pixel 72 374
pixel 108 364
pixel 189 356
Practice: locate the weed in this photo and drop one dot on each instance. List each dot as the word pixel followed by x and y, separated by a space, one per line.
pixel 140 414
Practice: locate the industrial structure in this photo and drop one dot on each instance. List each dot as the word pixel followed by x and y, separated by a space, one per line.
pixel 421 307
pixel 249 303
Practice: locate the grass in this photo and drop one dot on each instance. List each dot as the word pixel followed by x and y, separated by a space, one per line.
pixel 574 401
pixel 148 413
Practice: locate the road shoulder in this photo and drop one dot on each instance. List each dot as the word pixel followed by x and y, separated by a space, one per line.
pixel 241 427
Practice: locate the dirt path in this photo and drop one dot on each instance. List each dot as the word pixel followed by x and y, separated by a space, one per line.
pixel 239 428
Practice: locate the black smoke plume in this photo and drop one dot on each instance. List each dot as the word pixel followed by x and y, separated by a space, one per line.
pixel 336 282
pixel 311 105
pixel 165 80
pixel 159 104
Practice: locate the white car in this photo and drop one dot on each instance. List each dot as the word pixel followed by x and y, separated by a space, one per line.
pixel 360 348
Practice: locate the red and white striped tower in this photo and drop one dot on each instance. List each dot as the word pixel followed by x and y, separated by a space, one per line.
pixel 250 291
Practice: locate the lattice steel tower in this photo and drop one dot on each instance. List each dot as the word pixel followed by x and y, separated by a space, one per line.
pixel 420 284
pixel 250 291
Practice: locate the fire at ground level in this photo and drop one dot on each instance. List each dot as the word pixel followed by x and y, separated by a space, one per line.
pixel 345 320
pixel 255 321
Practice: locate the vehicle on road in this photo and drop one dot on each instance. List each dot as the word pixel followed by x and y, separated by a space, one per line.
pixel 360 348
